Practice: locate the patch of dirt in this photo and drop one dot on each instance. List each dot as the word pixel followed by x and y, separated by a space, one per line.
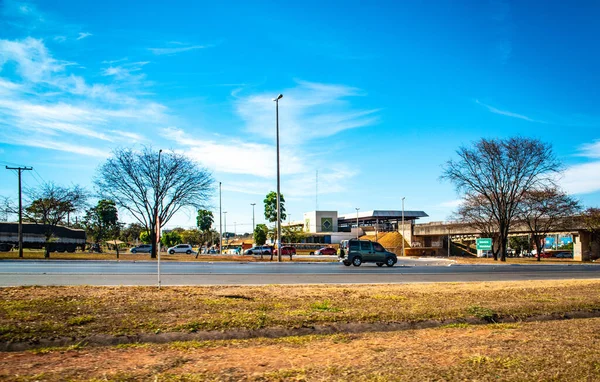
pixel 565 351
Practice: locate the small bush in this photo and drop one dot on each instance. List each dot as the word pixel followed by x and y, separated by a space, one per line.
pixel 80 320
pixel 482 313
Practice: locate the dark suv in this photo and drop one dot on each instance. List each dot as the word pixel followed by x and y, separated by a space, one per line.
pixel 356 252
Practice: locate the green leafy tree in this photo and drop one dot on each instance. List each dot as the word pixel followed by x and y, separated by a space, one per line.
pixel 170 239
pixel 519 243
pixel 293 234
pixel 130 233
pixel 145 237
pixel 51 204
pixel 192 236
pixel 271 207
pixel 260 234
pixel 102 221
pixel 204 222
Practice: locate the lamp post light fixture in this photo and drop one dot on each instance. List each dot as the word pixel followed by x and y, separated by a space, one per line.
pixel 403 254
pixel 357 221
pixel 278 243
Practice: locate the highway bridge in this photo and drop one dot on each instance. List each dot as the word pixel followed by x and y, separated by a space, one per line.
pixel 433 236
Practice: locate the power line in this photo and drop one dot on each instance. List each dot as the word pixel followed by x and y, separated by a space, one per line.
pixel 39 176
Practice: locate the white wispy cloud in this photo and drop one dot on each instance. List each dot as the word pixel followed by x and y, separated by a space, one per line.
pixel 591 150
pixel 175 50
pixel 83 35
pixel 235 156
pixel 507 113
pixel 62 110
pixel 583 178
pixel 128 71
pixel 308 111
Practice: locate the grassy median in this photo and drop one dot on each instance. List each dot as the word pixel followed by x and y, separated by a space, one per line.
pixel 475 331
pixel 33 313
pixel 545 351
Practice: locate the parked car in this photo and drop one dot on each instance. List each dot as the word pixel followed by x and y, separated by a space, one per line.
pixel 356 252
pixel 563 255
pixel 142 248
pixel 258 250
pixel 181 248
pixel 286 251
pixel 325 251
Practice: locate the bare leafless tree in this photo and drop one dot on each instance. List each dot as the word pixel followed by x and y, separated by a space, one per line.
pixel 500 171
pixel 8 208
pixel 130 178
pixel 544 210
pixel 476 211
pixel 50 205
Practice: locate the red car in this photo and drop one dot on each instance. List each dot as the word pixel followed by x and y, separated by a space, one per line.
pixel 326 251
pixel 286 251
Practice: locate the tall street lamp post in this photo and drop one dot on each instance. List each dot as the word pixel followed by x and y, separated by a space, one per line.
pixel 220 220
pixel 253 226
pixel 157 221
pixel 357 221
pixel 225 222
pixel 403 238
pixel 278 180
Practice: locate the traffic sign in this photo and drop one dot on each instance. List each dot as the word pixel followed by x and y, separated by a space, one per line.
pixel 484 244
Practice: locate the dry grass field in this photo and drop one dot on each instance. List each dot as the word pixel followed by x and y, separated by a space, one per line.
pixel 537 351
pixel 509 331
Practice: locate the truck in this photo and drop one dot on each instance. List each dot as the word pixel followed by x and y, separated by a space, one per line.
pixel 64 239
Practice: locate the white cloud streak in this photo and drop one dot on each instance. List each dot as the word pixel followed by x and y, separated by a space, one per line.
pixel 581 178
pixel 181 49
pixel 235 156
pixel 57 107
pixel 591 150
pixel 308 111
pixel 83 35
pixel 508 113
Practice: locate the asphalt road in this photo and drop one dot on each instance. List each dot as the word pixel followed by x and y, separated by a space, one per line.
pixel 56 272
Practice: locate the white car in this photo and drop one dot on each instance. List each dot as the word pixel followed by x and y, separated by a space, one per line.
pixel 181 248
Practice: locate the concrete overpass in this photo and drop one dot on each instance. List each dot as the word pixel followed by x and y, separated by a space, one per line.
pixel 434 235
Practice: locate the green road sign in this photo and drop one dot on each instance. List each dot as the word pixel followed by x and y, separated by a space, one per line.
pixel 484 244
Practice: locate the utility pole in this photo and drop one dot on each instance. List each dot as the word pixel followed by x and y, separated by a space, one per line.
pixel 20 170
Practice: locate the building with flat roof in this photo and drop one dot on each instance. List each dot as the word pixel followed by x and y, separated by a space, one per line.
pixel 328 227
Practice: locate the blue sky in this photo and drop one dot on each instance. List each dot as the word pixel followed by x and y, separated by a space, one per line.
pixel 376 96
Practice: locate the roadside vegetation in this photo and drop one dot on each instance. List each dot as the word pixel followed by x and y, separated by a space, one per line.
pixel 35 313
pixel 511 331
